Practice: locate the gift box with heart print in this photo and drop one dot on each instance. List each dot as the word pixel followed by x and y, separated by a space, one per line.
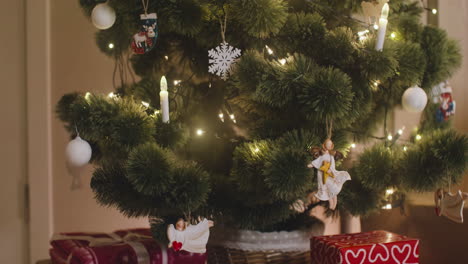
pixel 365 248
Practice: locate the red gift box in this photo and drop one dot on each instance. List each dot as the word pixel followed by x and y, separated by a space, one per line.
pixel 376 247
pixel 124 246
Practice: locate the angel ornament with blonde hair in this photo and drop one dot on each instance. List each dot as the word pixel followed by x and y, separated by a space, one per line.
pixel 330 181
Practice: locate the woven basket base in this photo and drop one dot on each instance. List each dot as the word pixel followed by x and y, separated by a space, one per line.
pixel 221 255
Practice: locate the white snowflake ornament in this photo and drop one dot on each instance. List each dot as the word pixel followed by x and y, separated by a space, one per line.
pixel 222 58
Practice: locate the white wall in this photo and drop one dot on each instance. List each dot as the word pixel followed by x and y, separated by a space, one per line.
pixel 454 19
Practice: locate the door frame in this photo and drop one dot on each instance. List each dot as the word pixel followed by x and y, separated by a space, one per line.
pixel 39 135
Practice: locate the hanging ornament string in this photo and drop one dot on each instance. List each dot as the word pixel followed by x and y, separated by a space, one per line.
pixel 145 4
pixel 76 130
pixel 450 180
pixel 223 25
pixel 449 183
pixel 329 127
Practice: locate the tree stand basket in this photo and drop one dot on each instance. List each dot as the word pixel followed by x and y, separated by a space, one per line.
pixel 253 247
pixel 222 255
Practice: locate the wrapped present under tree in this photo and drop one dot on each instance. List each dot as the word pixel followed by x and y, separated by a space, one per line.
pixel 364 248
pixel 134 246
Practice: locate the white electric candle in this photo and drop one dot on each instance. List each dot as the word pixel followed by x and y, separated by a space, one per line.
pixel 382 28
pixel 164 100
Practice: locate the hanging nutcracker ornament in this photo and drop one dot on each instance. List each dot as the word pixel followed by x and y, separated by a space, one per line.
pixel 145 40
pixel 442 95
pixel 329 180
pixel 224 56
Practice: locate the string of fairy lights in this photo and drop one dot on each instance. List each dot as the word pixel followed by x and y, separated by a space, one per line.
pixel 376 28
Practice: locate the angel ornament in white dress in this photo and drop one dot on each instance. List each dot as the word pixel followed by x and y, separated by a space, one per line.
pixel 330 181
pixel 450 205
pixel 191 238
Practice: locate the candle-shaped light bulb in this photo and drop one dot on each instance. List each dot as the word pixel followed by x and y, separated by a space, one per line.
pixel 163 84
pixel 164 100
pixel 382 28
pixel 385 10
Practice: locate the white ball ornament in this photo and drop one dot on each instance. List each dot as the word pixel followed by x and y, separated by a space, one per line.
pixel 103 16
pixel 414 99
pixel 78 152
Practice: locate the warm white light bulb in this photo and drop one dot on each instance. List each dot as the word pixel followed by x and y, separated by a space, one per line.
pixel 221 115
pixel 353 145
pixel 434 11
pixel 232 116
pixel 400 132
pixel 156 112
pixel 145 104
pixel 176 82
pixel 270 51
pixel 87 95
pixel 282 61
pixel 389 191
pixel 200 132
pixel 111 95
pixel 166 57
pixel 163 83
pixel 405 148
pixel 393 35
pixel 376 26
pixel 389 137
pixel 257 150
pixel 418 137
pixel 362 33
pixel 111 45
pixel 387 207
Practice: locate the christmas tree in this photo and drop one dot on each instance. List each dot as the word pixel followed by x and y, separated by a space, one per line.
pixel 237 150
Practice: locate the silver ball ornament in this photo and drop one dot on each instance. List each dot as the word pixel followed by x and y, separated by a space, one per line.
pixel 103 16
pixel 78 152
pixel 414 99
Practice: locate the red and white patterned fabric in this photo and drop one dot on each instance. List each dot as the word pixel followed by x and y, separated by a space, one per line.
pixel 133 246
pixel 376 247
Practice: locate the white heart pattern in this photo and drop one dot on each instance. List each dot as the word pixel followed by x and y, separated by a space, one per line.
pixel 378 255
pixel 416 246
pixel 355 256
pixel 401 250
